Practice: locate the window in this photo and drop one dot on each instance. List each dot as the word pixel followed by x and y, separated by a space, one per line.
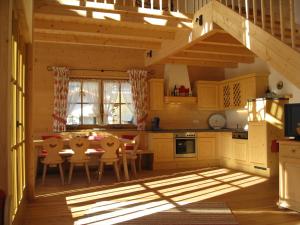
pixel 99 102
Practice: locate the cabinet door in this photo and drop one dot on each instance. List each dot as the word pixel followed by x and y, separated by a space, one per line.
pixel 163 149
pixel 257 139
pixel 156 94
pixel 225 145
pixel 289 188
pixel 248 90
pixel 206 148
pixel 236 95
pixel 208 96
pixel 225 96
pixel 240 150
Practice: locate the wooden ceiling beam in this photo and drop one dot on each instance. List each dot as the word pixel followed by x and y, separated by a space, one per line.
pixel 94 29
pixel 201 63
pixel 95 41
pixel 217 57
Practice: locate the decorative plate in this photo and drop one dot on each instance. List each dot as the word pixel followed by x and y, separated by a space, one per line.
pixel 217 121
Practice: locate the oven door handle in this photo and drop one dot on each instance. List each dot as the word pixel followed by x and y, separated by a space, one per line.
pixel 189 138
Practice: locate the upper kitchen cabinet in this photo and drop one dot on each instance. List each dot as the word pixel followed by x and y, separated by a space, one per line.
pixel 235 92
pixel 208 95
pixel 156 89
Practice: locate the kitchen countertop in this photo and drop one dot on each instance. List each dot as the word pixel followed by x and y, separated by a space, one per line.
pixel 162 130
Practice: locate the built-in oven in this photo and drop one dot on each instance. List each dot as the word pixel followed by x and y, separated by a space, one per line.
pixel 185 145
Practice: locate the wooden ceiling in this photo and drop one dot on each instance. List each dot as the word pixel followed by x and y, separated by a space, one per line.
pixel 127 27
pixel 121 27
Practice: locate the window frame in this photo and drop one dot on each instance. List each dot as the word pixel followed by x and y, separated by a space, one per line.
pixel 101 105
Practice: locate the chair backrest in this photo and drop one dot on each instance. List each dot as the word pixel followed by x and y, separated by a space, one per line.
pixel 136 143
pixel 79 145
pixel 110 145
pixel 53 146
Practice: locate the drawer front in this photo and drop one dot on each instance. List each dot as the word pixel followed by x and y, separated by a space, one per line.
pixel 291 151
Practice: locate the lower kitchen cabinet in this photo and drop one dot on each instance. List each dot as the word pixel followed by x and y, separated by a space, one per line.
pixel 289 170
pixel 240 150
pixel 225 145
pixel 206 148
pixel 162 146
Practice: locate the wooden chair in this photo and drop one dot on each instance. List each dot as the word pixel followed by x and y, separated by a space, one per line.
pixel 110 145
pixel 79 145
pixel 52 147
pixel 133 155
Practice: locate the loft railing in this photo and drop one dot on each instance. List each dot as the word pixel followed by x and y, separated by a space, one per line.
pixel 182 6
pixel 274 16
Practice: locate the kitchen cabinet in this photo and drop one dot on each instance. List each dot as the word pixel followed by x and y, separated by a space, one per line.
pixel 289 170
pixel 225 145
pixel 162 145
pixel 206 148
pixel 235 92
pixel 156 94
pixel 240 150
pixel 208 95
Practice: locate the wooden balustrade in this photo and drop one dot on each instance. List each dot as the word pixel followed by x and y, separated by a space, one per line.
pixel 276 17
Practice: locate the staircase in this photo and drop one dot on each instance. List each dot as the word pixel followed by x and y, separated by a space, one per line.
pixel 275 17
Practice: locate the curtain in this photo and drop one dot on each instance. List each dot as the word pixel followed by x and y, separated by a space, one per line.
pixel 61 87
pixel 127 99
pixel 111 96
pixel 139 89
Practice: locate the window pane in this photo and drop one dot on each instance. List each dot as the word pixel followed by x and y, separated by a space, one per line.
pixel 127 114
pixel 91 114
pixel 74 113
pixel 111 92
pixel 90 92
pixel 111 113
pixel 126 96
pixel 74 92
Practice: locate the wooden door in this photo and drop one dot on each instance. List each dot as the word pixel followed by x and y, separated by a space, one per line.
pixel 206 148
pixel 257 139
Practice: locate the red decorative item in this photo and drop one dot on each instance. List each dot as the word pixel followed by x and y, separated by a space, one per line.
pixel 275 146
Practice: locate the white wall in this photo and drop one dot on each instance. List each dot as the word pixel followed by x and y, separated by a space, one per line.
pixel 238 117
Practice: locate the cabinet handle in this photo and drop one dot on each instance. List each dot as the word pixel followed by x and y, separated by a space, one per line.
pixel 294 150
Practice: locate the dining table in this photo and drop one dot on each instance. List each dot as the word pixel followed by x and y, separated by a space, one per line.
pixel 94 149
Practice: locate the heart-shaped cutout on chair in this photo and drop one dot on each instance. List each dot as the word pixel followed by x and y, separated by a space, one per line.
pixel 79 145
pixel 52 145
pixel 110 144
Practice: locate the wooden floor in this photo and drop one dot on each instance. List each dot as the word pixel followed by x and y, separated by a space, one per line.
pixel 251 198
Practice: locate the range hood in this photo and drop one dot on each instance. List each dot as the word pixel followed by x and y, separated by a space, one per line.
pixel 176 74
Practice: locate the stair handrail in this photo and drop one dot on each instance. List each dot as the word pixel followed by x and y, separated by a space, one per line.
pixel 286 12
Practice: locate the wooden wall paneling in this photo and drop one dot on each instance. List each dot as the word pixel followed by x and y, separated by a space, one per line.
pixel 5 92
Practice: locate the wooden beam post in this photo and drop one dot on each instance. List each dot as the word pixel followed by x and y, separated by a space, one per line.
pixel 240 6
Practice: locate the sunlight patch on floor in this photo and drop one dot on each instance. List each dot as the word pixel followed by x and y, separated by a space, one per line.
pixel 116 205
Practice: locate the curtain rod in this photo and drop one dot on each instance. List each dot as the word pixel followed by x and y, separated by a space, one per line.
pixel 49 68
